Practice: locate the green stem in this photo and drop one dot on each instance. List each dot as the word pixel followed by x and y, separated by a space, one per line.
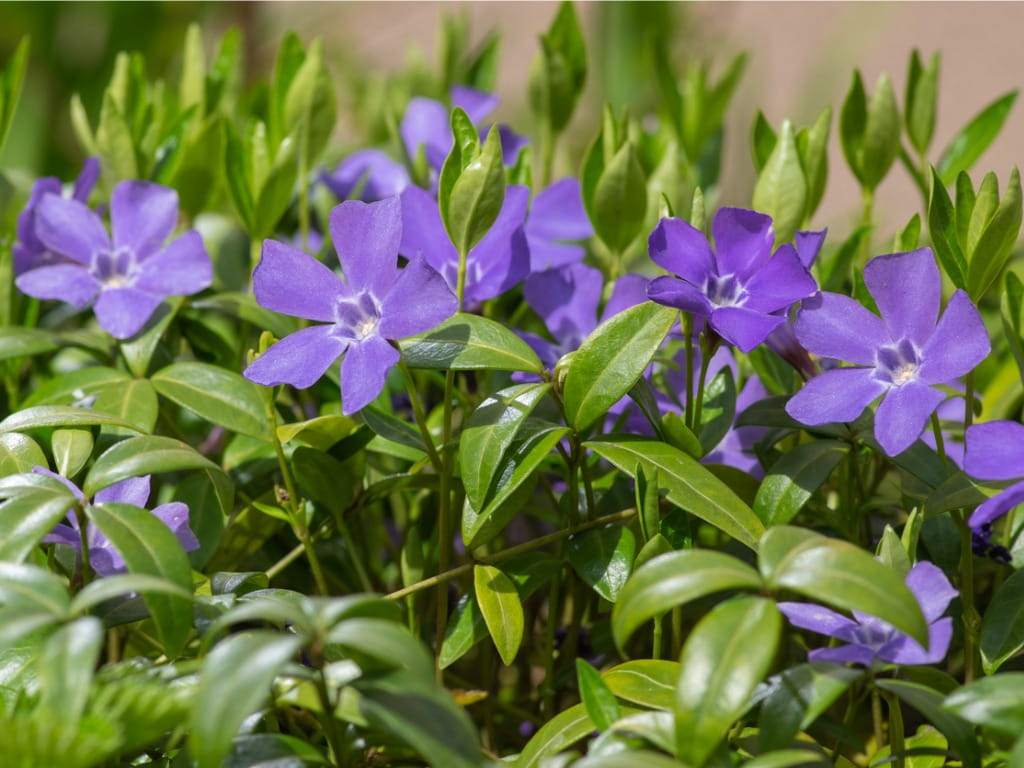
pixel 688 336
pixel 304 190
pixel 460 282
pixel 554 610
pixel 420 416
pixel 707 350
pixel 656 637
pixel 969 400
pixel 868 204
pixel 335 738
pixel 357 561
pixel 547 143
pixel 505 554
pixel 896 743
pixel 876 718
pixel 940 442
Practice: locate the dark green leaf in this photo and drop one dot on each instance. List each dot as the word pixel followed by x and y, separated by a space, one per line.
pixel 1012 313
pixel 797 697
pixel 310 108
pixel 381 645
pixel 620 200
pixel 762 141
pixel 929 703
pixel 942 226
pixel 138 351
pixel 1002 629
pixel 75 385
pixel 974 138
pixel 470 342
pixel 121 584
pixel 476 196
pixel 219 396
pixel 719 409
pixel 30 587
pixel 133 401
pixel 813 146
pixel 881 134
pixel 603 558
pixel 993 702
pixel 503 613
pixel 794 478
pixel 558 76
pixel 853 118
pixel 11 79
pixel 60 416
pixel 992 250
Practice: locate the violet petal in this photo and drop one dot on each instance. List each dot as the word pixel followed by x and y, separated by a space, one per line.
pixel 181 269
pixel 677 247
pixel 418 300
pixel 292 282
pixel 995 450
pixel 907 289
pixel 958 343
pixel 122 312
pixel 143 215
pixel 903 415
pixel 833 325
pixel 743 241
pixel 367 237
pixel 299 359
pixel 363 372
pixel 839 395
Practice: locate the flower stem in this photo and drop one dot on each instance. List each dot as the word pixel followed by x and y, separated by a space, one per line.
pixel 969 400
pixel 940 443
pixel 304 190
pixel 876 718
pixel 896 744
pixel 867 196
pixel 707 350
pixel 420 416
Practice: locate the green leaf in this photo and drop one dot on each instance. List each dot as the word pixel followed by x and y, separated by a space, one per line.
pixel 381 645
pixel 603 558
pixel 470 342
pixel 974 138
pixel 674 579
pixel 234 681
pixel 277 188
pixel 74 385
pixel 995 702
pixel 992 251
pixel 503 613
pixel 476 196
pixel 121 584
pixel 718 410
pixel 813 146
pixel 930 704
pixel 239 177
pixel 66 664
pixel 490 431
pixel 71 449
pixel 563 730
pixel 222 397
pixel 60 416
pixel 19 453
pixel 955 491
pixel 620 200
pixel 465 148
pixel 840 574
pixel 794 478
pixel 560 71
pixel 310 108
pixel 1011 308
pixel 881 134
pixel 391 428
pixel 29 516
pixel 611 359
pixel 689 485
pixel 11 79
pixel 762 141
pixel 150 548
pixel 133 401
pixel 138 351
pixel 797 697
pixel 24 342
pixel 720 669
pixel 28 586
pixel 921 98
pixel 1002 629
pixel 853 118
pixel 781 190
pixel 115 142
pixel 139 456
pixel 597 697
pixel 942 226
pixel 647 682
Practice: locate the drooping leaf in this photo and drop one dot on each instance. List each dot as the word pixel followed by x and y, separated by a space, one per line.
pixel 503 613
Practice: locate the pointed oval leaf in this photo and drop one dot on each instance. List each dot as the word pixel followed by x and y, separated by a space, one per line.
pixel 930 704
pixel 133 400
pixel 19 453
pixel 67 662
pixel 476 196
pixel 781 190
pixel 25 342
pixel 975 137
pixel 596 695
pixel 794 478
pixel 139 456
pixel 993 702
pixel 71 450
pixel 647 682
pixel 603 558
pixel 222 397
pixel 28 517
pixel 620 200
pixel 501 608
pixel 881 134
pixel 60 416
pixel 466 342
pixel 1002 629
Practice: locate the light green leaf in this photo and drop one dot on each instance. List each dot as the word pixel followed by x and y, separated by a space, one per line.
pixel 60 416
pixel 66 664
pixel 133 401
pixel 974 138
pixel 469 342
pixel 596 695
pixel 647 682
pixel 26 518
pixel 995 702
pixel 502 611
pixel 19 453
pixel 25 342
pixel 71 450
pixel 620 199
pixel 139 456
pixel 476 197
pixel 781 190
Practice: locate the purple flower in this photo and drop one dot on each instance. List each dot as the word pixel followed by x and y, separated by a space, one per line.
pixel 498 262
pixel 126 277
pixel 359 318
pixel 902 355
pixel 372 172
pixel 995 451
pixel 869 638
pixel 103 557
pixel 739 286
pixel 557 218
pixel 29 251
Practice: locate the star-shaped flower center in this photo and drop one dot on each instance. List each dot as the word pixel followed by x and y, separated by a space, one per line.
pixel 115 268
pixel 897 364
pixel 724 290
pixel 356 317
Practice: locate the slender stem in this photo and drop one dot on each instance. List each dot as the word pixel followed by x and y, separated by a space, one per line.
pixel 876 719
pixel 940 442
pixel 707 350
pixel 460 280
pixel 335 738
pixel 554 609
pixel 547 144
pixel 505 554
pixel 304 189
pixel 969 400
pixel 867 211
pixel 896 744
pixel 656 637
pixel 420 416
pixel 357 562
pixel 688 337
pixel 83 537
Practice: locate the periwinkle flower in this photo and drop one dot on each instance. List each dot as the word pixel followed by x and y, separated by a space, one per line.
pixel 358 318
pixel 29 251
pixel 901 355
pixel 370 172
pixel 557 220
pixel 103 556
pixel 494 265
pixel 869 638
pixel 995 451
pixel 128 276
pixel 740 286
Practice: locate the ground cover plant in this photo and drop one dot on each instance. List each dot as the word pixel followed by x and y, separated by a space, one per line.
pixel 431 452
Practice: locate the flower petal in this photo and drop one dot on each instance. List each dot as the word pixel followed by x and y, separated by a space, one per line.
pixel 742 327
pixel 69 228
pixel 907 289
pixel 87 179
pixel 423 232
pixel 903 414
pixel 545 254
pixel 629 291
pixel 932 589
pixel 418 300
pixel 175 516
pixel 779 283
pixel 816 618
pixel 143 215
pixel 62 282
pixel 502 257
pixel 905 650
pixel 566 300
pixel 995 450
pixel 180 269
pixel 673 292
pixel 839 395
pixel 363 372
pixel 294 283
pixel 367 237
pixel 557 213
pixel 833 325
pixel 380 176
pixel 677 247
pixel 477 104
pixel 122 312
pixel 808 246
pixel 959 342
pixel 426 122
pixel 134 491
pixel 29 250
pixel 743 241
pixel 844 654
pixel 991 510
pixel 299 359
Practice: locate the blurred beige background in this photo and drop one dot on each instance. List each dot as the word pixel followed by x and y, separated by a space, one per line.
pixel 801 57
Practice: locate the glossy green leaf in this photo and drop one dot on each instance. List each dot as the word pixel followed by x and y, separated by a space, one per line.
pixel 239 177
pixel 781 190
pixel 272 750
pixel 25 342
pixel 11 78
pixel 138 351
pixel 465 148
pixel 470 342
pixel 957 490
pixel 930 704
pixel 1002 628
pixel 762 141
pixel 718 410
pixel 382 645
pixel 133 401
pixel 30 587
pixel 720 670
pixel 476 196
pixel 150 548
pixel 881 142
pixel 278 188
pixel 1011 308
pixel 122 584
pixel 627 759
pixel 689 485
pixel 974 138
pixel 620 200
pixel 611 359
pixel 26 518
pixel 794 478
pixel 503 613
pixel 320 432
pixel 139 456
pixel 71 449
pixel 647 682
pixel 995 702
pixel 234 681
pixel 563 730
pixel 921 98
pixel 853 119
pixel 674 579
pixel 596 696
pixel 990 254
pixel 310 108
pixel 222 397
pixel 797 697
pixel 840 574
pixel 73 386
pixel 942 226
pixel 60 416
pixel 66 665
pixel 603 558
pixel 790 758
pixel 19 453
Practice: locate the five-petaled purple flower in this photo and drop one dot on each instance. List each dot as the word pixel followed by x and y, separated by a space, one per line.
pixel 377 303
pixel 868 638
pixel 902 355
pixel 557 221
pixel 995 451
pixel 740 285
pixel 103 557
pixel 127 277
